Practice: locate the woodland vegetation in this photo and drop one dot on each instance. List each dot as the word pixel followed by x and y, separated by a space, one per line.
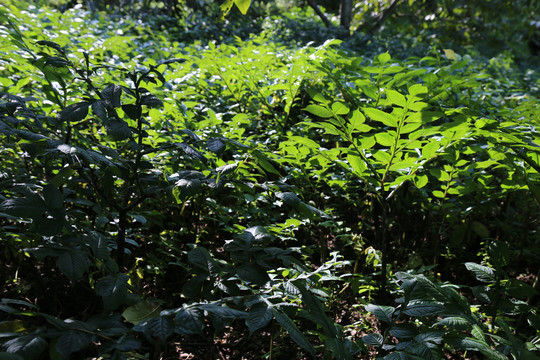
pixel 269 179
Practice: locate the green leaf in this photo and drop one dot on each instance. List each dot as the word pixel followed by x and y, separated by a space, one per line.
pixel 400 355
pixel 316 96
pixel 159 327
pixel 133 111
pixel 189 321
pixel 263 162
pixel 385 139
pixel 319 111
pixel 201 258
pixel 383 313
pixel 118 129
pixel 300 140
pixel 430 149
pixel 189 187
pixel 356 123
pixel 403 331
pixel 140 311
pixel 534 321
pixel 339 108
pixel 73 263
pixel 373 339
pixel 295 334
pixel 289 198
pixel 191 152
pixel 99 109
pixel 396 98
pixel 450 54
pixel 455 322
pixel 112 94
pixel 417 89
pixel 480 229
pixel 258 317
pixel 421 180
pixel 50 44
pixel 252 273
pixel 423 308
pixel 62 176
pixel 316 311
pixel 467 343
pixel 478 333
pixel 381 116
pixel 337 347
pixel 73 341
pixel 151 101
pixel 357 163
pixel 54 198
pixel 482 273
pixel 242 5
pixel 29 346
pixel 33 207
pixel 113 290
pixel 384 58
pixel 215 145
pixel 74 112
pixel 499 253
pixel 223 311
pixel 56 61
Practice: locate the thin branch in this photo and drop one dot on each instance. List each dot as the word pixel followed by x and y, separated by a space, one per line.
pixel 380 19
pixel 320 13
pixel 383 17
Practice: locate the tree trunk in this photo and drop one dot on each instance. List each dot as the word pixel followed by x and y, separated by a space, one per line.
pixel 345 13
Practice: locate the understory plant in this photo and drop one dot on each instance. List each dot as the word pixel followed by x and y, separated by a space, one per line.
pixel 240 194
pixel 433 318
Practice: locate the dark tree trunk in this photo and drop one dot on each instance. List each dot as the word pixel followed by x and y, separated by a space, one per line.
pixel 345 13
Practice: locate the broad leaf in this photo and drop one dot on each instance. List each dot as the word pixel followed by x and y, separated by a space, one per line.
pixel 73 341
pixel 373 339
pixel 381 116
pixel 403 331
pixel 159 327
pixel 295 334
pixel 141 311
pixel 188 187
pixel 151 101
pixel 33 207
pixel 73 263
pixel 383 313
pixel 258 317
pixel 455 322
pixel 112 94
pixel 113 290
pixel 74 112
pixel 223 311
pixel 215 145
pixel 189 321
pixel 289 198
pixel 118 129
pixel 423 308
pixel 99 108
pixel 201 258
pixel 242 5
pixel 482 273
pixel 252 273
pixel 29 346
pixel 319 111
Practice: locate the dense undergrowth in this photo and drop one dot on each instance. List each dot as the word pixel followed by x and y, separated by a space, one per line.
pixel 178 190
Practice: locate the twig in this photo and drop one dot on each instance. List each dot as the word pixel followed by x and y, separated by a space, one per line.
pixel 320 13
